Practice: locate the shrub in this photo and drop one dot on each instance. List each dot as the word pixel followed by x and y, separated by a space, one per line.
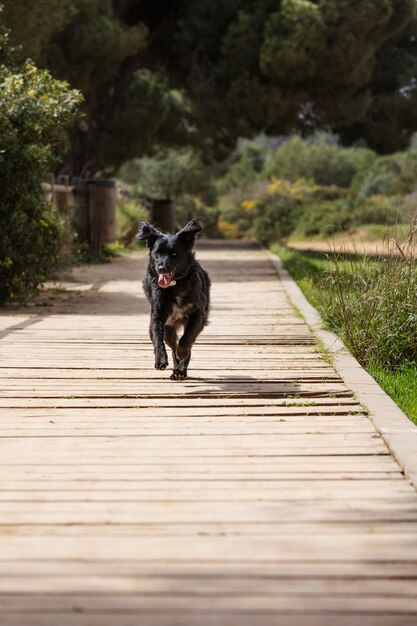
pixel 390 175
pixel 380 210
pixel 128 215
pixel 326 218
pixel 372 305
pixel 325 163
pixel 243 168
pixel 228 230
pixel 35 112
pixel 376 184
pixel 276 217
pixel 189 207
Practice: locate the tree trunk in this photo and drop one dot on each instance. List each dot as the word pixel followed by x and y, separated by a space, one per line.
pixel 162 214
pixel 90 136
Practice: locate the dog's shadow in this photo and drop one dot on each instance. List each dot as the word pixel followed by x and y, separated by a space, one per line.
pixel 243 385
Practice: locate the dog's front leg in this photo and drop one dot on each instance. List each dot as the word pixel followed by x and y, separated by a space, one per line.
pixel 156 331
pixel 193 328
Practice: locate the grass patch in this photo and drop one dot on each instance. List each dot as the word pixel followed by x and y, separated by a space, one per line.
pixel 401 385
pixel 305 267
pixel 371 304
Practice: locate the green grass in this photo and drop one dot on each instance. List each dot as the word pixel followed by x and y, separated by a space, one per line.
pixel 306 268
pixel 370 304
pixel 401 385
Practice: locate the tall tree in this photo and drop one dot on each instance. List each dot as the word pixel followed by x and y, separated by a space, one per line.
pixel 239 67
pixel 391 116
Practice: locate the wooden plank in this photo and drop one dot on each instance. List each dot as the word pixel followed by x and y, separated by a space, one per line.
pixel 206 491
pixel 211 618
pixel 364 546
pixel 240 602
pixel 241 528
pixel 205 586
pixel 210 570
pixel 315 509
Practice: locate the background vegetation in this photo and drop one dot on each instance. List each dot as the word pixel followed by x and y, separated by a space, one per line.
pixel 371 304
pixel 158 74
pixel 36 111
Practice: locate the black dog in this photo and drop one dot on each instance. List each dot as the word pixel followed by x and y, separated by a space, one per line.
pixel 178 289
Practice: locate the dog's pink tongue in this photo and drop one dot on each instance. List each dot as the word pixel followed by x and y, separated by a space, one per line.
pixel 164 280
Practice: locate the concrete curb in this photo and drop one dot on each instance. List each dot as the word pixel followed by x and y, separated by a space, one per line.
pixel 398 432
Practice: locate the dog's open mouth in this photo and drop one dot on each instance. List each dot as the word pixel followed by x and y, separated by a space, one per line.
pixel 164 280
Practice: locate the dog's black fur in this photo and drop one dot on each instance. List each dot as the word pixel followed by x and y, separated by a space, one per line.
pixel 184 302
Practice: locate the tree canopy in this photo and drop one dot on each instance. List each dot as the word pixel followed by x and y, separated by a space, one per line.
pixel 177 72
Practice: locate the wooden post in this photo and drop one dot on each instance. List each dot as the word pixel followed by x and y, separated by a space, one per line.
pixel 106 210
pixel 92 219
pixel 162 214
pixel 82 204
pixel 95 212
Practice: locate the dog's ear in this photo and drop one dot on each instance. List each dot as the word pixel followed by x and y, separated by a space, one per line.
pixel 188 234
pixel 148 232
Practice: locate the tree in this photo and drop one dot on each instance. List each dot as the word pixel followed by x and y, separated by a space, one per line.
pixel 391 117
pixel 32 24
pixel 241 67
pixel 292 65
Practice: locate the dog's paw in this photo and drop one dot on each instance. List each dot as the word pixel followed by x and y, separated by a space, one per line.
pixel 161 363
pixel 179 374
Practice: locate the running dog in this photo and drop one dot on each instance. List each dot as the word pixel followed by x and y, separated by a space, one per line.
pixel 178 289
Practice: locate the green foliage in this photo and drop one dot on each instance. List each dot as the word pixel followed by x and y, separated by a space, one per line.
pixel 346 189
pixel 168 175
pixel 189 207
pixel 296 64
pixel 369 303
pixel 276 218
pixel 88 52
pixel 242 169
pixel 326 218
pixel 178 175
pixel 391 116
pixel 401 385
pixel 154 118
pixel 389 175
pixel 35 112
pixel 32 24
pixel 373 308
pixel 128 215
pixel 236 68
pixel 325 163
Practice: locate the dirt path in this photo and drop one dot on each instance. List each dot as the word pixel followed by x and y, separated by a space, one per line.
pixel 257 492
pixel 354 245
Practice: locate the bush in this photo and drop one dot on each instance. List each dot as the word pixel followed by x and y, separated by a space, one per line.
pixel 372 305
pixel 325 163
pixel 242 169
pixel 326 218
pixel 35 112
pixel 381 210
pixel 276 217
pixel 390 175
pixel 376 184
pixel 189 207
pixel 128 215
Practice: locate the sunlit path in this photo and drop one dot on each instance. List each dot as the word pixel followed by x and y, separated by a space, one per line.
pixel 256 493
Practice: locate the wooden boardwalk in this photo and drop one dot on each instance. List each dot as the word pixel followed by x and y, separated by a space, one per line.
pixel 257 493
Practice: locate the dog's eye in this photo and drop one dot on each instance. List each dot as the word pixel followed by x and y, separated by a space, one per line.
pixel 173 254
